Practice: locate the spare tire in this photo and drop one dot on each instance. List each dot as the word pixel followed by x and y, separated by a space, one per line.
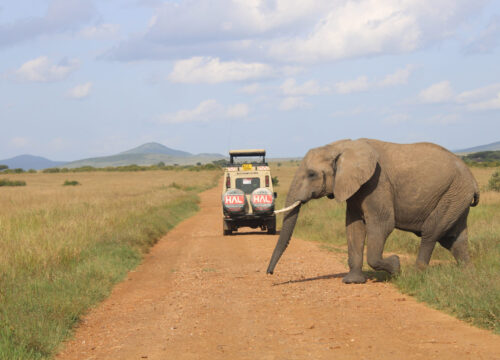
pixel 234 201
pixel 262 201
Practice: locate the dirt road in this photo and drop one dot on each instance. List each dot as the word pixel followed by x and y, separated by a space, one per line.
pixel 199 295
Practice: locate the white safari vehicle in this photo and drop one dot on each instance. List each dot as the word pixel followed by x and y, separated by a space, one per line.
pixel 247 194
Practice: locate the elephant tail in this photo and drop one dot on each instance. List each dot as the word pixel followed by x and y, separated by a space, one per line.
pixel 475 201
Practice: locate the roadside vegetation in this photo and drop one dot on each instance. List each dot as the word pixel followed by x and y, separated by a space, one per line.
pixel 7 182
pixel 471 294
pixel 483 159
pixel 63 248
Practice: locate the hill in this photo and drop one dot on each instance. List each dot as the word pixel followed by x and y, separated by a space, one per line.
pixel 27 162
pixel 488 147
pixel 155 148
pixel 147 154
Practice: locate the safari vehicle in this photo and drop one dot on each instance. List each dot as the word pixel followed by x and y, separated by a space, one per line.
pixel 247 193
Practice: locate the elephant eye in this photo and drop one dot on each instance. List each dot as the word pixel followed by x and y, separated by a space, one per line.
pixel 311 174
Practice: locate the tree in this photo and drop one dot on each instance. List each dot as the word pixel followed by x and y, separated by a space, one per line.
pixel 3 167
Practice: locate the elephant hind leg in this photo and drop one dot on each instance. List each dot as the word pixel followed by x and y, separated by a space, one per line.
pixel 457 240
pixel 443 225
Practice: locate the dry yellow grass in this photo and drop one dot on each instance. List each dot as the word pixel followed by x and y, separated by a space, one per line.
pixel 63 247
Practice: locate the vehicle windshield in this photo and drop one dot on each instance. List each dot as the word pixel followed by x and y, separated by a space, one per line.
pixel 248 185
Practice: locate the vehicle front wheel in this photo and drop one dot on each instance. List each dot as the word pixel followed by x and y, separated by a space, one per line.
pixel 271 227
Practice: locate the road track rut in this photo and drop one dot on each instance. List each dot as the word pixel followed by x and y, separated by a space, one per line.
pixel 200 295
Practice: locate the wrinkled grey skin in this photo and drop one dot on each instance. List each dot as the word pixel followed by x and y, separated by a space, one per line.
pixel 421 188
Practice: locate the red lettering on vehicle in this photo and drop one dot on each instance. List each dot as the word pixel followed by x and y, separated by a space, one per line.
pixel 263 199
pixel 234 200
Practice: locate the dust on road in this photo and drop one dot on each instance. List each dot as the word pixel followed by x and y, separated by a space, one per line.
pixel 200 295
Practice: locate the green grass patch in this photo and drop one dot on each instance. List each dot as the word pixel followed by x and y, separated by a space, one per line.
pixel 71 183
pixel 7 182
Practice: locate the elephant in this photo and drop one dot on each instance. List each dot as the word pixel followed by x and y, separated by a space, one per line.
pixel 421 188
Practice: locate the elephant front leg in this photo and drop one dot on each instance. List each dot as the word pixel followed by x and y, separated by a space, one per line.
pixel 356 233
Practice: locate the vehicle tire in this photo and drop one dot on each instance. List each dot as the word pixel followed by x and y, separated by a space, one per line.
pixel 271 227
pixel 227 230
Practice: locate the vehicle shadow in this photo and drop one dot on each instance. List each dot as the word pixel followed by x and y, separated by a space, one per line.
pixel 244 233
pixel 374 276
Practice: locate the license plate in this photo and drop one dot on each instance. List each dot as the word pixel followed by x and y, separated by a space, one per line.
pixel 247 167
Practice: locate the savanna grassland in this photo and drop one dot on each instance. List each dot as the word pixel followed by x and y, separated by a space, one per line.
pixel 64 247
pixel 471 294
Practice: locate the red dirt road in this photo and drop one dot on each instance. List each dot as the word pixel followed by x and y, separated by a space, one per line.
pixel 199 295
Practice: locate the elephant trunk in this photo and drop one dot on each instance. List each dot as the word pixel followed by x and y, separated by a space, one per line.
pixel 286 233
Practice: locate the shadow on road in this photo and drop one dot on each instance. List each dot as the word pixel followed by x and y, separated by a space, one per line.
pixel 375 276
pixel 243 233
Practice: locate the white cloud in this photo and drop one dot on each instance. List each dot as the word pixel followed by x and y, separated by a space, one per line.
pixel 488 40
pixel 437 93
pixel 207 110
pixel 311 87
pixel 61 16
pixel 396 119
pixel 293 102
pixel 478 94
pixel 294 30
pixel 250 89
pixel 444 119
pixel 399 77
pixel 80 91
pixel 42 70
pixel 237 111
pixel 490 104
pixel 346 87
pixel 19 142
pixel 210 70
pixel 100 31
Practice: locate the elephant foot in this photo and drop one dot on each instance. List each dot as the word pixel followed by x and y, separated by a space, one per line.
pixel 393 264
pixel 354 278
pixel 421 265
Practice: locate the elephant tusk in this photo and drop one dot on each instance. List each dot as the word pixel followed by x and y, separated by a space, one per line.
pixel 294 205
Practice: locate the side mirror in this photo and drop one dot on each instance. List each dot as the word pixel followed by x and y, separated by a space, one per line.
pixel 275 195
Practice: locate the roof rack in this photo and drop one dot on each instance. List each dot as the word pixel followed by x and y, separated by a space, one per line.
pixel 248 152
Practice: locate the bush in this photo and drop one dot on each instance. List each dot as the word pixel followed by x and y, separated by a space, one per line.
pixel 494 183
pixel 7 182
pixel 275 181
pixel 51 170
pixel 3 167
pixel 71 183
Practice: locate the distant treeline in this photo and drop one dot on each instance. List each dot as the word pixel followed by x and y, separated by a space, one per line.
pixel 4 169
pixel 160 166
pixel 483 159
pixel 216 165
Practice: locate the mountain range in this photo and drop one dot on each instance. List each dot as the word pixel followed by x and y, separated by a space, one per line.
pixel 27 162
pixel 150 154
pixel 488 147
pixel 146 154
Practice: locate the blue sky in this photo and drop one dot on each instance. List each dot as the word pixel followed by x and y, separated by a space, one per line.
pixel 81 78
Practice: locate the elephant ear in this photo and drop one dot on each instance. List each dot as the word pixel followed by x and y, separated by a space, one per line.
pixel 354 167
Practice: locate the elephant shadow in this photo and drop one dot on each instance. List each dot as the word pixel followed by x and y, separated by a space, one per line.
pixel 375 276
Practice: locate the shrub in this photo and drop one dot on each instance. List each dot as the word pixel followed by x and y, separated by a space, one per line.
pixel 494 183
pixel 3 167
pixel 7 182
pixel 71 183
pixel 275 180
pixel 51 170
